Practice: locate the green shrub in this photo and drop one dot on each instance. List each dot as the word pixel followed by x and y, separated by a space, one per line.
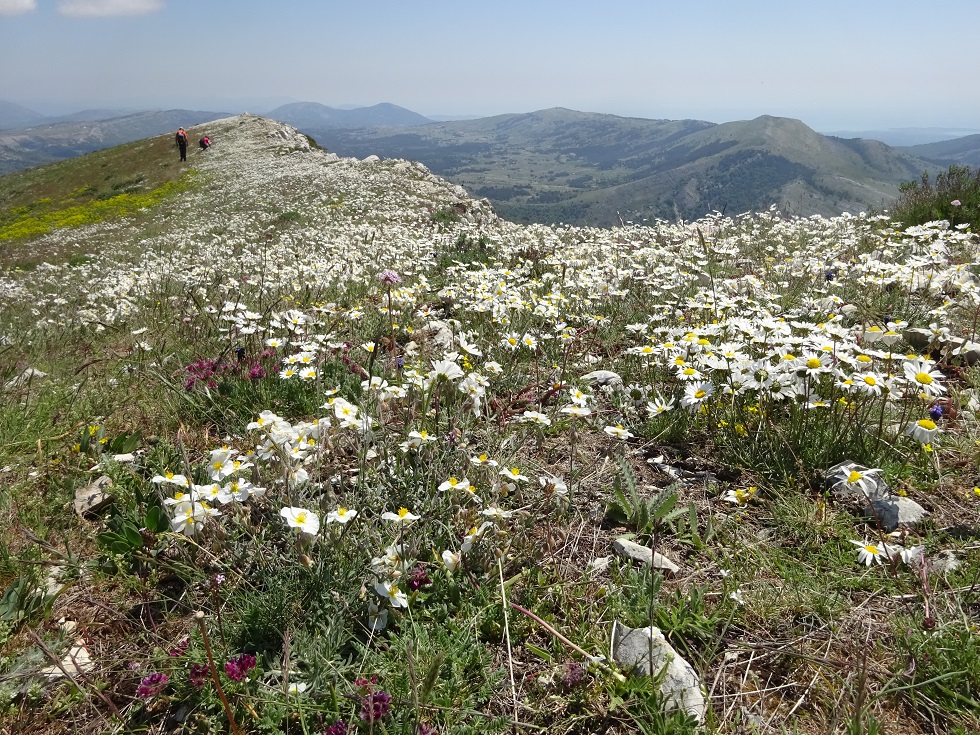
pixel 955 196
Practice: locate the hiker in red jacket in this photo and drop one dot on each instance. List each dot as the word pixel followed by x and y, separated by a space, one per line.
pixel 182 143
pixel 205 143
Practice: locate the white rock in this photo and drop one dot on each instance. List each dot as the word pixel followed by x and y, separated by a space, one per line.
pixel 92 498
pixel 895 511
pixel 443 333
pixel 645 652
pixel 24 378
pixel 371 159
pixel 643 555
pixel 78 661
pixel 603 378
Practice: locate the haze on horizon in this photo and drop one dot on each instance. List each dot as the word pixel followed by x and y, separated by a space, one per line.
pixel 835 65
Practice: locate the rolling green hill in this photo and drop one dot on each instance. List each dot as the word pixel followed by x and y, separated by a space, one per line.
pixel 962 151
pixel 586 168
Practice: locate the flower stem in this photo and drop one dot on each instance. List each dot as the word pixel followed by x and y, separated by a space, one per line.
pixel 199 616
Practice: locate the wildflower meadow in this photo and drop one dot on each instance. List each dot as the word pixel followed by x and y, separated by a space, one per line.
pixel 318 445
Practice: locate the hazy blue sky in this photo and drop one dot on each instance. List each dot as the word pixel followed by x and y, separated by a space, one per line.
pixel 836 65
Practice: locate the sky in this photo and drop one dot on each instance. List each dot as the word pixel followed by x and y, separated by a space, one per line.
pixel 855 65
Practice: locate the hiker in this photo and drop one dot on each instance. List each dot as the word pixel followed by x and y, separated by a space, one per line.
pixel 182 143
pixel 205 143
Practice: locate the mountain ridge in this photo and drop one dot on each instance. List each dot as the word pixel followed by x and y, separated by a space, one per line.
pixel 591 168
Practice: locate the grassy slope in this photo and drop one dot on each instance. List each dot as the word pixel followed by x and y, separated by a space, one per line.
pixel 23 148
pixel 819 645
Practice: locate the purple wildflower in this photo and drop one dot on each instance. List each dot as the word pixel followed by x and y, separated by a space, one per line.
pixel 181 648
pixel 418 579
pixel 199 674
pixel 389 277
pixel 337 728
pixel 151 685
pixel 375 705
pixel 257 372
pixel 936 412
pixel 237 668
pixel 572 674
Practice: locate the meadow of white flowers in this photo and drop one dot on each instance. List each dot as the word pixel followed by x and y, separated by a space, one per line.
pixel 473 377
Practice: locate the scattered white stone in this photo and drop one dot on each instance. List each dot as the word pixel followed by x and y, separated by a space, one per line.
pixel 643 555
pixel 443 333
pixel 603 378
pixel 645 652
pixel 599 565
pixel 918 338
pixel 24 378
pixel 124 458
pixel 52 583
pixel 895 511
pixel 78 661
pixel 93 498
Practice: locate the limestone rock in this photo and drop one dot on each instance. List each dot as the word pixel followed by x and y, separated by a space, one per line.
pixel 24 378
pixel 443 332
pixel 643 555
pixel 895 511
pixel 93 498
pixel 603 378
pixel 645 652
pixel 78 661
pixel 371 159
pixel 918 338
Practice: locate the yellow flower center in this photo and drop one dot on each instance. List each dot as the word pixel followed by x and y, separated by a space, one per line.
pixel 813 363
pixel 924 378
pixel 700 394
pixel 926 424
pixel 854 477
pixel 301 518
pixel 869 379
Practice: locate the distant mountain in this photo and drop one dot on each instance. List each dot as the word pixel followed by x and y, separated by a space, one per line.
pixel 962 151
pixel 93 115
pixel 315 115
pixel 26 147
pixel 587 168
pixel 17 116
pixel 905 136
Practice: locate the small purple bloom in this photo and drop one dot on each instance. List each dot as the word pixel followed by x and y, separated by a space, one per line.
pixel 237 668
pixel 199 674
pixel 418 579
pixel 936 412
pixel 181 648
pixel 152 685
pixel 389 277
pixel 375 705
pixel 337 728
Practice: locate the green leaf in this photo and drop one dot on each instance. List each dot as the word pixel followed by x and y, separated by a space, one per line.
pixel 156 520
pixel 539 652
